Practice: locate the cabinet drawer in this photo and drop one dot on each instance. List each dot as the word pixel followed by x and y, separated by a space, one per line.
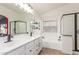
pixel 29 48
pixel 34 47
pixel 29 51
pixel 38 42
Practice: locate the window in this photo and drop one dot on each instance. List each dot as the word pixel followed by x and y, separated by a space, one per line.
pixel 50 26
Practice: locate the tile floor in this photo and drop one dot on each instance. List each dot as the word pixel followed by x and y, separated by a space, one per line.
pixel 48 51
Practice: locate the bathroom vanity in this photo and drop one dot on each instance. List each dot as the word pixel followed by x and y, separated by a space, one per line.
pixel 22 45
pixel 18 41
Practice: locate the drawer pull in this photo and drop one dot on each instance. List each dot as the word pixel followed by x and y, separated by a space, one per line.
pixel 37 49
pixel 30 50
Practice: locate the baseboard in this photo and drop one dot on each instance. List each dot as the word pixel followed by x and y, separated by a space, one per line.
pixel 75 53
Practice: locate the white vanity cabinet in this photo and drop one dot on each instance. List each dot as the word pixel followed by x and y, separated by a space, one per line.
pixel 31 48
pixel 38 45
pixel 18 51
pixel 34 47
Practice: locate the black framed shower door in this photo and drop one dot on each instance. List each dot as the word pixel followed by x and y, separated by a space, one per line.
pixel 76 30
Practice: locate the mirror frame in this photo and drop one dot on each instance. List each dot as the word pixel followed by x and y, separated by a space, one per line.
pixel 6 22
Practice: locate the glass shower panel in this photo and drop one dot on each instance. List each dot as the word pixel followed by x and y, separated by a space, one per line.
pixel 67 25
pixel 77 31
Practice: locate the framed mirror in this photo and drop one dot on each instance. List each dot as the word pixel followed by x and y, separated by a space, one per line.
pixel 21 27
pixel 3 25
pixel 18 27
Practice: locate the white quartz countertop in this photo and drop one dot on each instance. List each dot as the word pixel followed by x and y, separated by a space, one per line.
pixel 17 41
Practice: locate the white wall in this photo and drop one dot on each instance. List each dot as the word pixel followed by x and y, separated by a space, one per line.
pixel 51 39
pixel 14 15
pixel 32 17
pixel 11 14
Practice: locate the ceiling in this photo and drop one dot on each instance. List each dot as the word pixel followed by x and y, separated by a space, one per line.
pixel 42 8
pixel 12 7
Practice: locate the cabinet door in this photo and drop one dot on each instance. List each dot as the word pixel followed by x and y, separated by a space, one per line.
pixel 34 47
pixel 38 45
pixel 29 51
pixel 40 42
pixel 18 51
pixel 30 48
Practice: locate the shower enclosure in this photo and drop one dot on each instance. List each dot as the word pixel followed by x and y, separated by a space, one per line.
pixel 70 32
pixel 77 32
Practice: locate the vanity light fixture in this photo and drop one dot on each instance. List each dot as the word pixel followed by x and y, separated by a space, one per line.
pixel 26 7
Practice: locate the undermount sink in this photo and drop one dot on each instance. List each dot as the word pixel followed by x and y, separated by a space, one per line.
pixel 3 39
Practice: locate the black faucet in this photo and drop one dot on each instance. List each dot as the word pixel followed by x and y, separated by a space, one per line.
pixel 30 33
pixel 8 38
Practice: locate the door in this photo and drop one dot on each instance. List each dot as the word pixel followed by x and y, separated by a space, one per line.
pixel 67 25
pixel 77 32
pixel 67 44
pixel 67 31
